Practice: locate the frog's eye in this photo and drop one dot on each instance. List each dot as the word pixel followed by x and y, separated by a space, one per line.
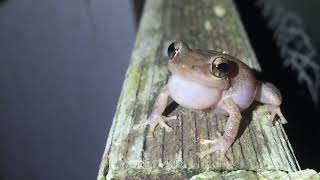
pixel 173 49
pixel 177 47
pixel 219 67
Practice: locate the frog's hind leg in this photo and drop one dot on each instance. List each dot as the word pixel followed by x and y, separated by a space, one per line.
pixel 269 95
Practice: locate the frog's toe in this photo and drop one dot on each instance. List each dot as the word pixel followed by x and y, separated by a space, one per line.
pixel 165 126
pixel 153 121
pixel 219 147
pixel 139 126
pixel 275 110
pixel 206 141
pixel 283 120
pixel 170 118
pixel 153 126
pixel 151 130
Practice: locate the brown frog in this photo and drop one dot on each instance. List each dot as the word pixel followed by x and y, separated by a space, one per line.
pixel 216 81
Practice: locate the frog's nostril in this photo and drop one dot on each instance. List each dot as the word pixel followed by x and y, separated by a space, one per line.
pixel 171 50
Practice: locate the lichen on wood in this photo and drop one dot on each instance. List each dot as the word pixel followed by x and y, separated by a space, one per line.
pixel 204 24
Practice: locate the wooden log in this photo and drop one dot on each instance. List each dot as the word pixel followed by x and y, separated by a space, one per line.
pixel 203 24
pixel 262 174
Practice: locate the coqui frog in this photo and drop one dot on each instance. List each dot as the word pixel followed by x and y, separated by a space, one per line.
pixel 216 81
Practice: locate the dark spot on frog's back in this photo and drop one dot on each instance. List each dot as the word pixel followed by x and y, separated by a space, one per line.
pixel 232 68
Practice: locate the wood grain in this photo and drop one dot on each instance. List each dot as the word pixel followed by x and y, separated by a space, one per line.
pixel 203 24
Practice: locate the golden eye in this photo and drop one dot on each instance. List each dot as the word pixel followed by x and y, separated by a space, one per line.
pixel 219 67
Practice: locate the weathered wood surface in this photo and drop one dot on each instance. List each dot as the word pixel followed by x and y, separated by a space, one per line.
pixel 203 24
pixel 259 175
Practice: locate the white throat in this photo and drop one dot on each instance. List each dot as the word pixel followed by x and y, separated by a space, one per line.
pixel 191 94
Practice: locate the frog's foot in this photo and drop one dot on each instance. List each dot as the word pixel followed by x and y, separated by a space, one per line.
pixel 275 110
pixel 219 146
pixel 153 121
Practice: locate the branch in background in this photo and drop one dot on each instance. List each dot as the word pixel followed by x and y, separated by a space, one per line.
pixel 296 48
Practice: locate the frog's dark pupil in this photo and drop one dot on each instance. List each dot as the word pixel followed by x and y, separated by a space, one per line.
pixel 171 50
pixel 223 67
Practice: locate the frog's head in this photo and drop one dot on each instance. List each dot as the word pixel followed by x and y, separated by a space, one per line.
pixel 210 68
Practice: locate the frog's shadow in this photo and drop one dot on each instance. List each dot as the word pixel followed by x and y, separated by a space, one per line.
pixel 170 107
pixel 247 117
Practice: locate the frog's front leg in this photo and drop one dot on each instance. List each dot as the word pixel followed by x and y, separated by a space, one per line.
pixel 268 94
pixel 222 144
pixel 156 116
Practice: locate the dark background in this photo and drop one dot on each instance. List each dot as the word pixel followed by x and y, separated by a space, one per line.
pixel 62 64
pixel 302 114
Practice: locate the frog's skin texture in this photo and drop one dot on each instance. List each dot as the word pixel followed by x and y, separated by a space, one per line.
pixel 216 81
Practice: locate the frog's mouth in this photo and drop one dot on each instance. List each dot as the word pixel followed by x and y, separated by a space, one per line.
pixel 198 74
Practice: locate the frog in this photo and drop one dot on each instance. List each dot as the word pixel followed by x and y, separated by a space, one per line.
pixel 212 81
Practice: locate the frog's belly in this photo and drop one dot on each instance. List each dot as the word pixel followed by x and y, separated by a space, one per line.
pixel 191 94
